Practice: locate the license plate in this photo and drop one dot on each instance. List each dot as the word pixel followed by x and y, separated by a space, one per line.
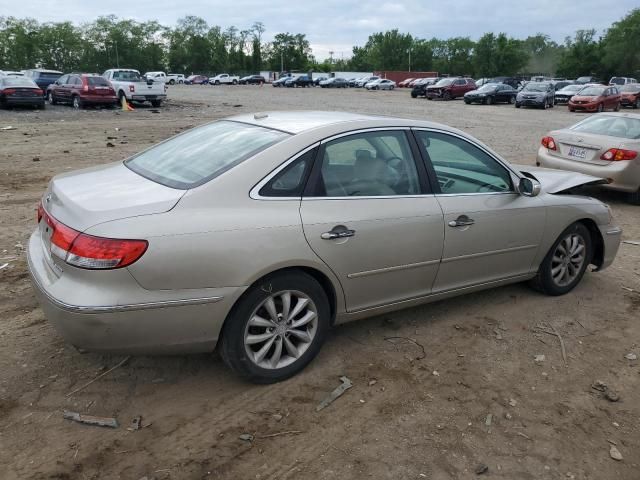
pixel 577 152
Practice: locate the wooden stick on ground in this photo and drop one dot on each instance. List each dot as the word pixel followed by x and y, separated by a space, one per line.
pixel 555 333
pixel 98 377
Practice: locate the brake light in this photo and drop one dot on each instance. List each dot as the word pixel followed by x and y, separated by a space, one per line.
pixel 39 92
pixel 9 91
pixel 617 154
pixel 549 142
pixel 88 251
pixel 132 88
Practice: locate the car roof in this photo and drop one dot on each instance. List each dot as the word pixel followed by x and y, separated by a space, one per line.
pixel 301 121
pixel 43 70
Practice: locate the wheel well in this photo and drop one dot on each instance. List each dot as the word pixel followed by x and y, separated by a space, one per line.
pixel 320 277
pixel 596 238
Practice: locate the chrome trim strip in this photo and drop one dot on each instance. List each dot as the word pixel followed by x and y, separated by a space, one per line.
pixel 491 252
pixel 393 269
pixel 383 197
pixel 614 231
pixel 117 308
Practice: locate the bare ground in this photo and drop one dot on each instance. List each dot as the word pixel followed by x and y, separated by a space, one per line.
pixel 420 403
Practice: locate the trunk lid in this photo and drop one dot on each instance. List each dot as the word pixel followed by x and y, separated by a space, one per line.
pixel 109 192
pixel 583 147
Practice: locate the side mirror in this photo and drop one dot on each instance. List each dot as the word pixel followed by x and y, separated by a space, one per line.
pixel 529 187
pixel 57 82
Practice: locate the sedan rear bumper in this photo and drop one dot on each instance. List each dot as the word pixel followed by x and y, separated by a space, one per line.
pixel 87 316
pixel 623 176
pixel 37 100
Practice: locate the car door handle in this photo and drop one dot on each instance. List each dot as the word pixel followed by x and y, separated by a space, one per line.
pixel 339 231
pixel 461 221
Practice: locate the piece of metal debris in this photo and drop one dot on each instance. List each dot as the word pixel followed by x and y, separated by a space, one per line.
pixel 628 356
pixel 90 419
pixel 344 386
pixel 9 127
pixel 631 242
pixel 539 358
pixel 247 437
pixel 481 469
pixel 136 423
pixel 3 266
pixel 488 419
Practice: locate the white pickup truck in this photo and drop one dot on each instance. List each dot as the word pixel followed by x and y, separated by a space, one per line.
pixel 129 84
pixel 174 78
pixel 224 79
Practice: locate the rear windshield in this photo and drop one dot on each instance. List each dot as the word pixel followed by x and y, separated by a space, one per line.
pixel 98 82
pixel 17 82
pixel 488 87
pixel 615 126
pixel 197 156
pixel 127 76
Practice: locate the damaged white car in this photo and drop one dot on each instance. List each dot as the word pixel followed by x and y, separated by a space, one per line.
pixel 258 232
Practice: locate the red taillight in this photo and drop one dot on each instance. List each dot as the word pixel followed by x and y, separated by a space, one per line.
pixel 39 92
pixel 549 142
pixel 617 154
pixel 9 91
pixel 132 88
pixel 90 252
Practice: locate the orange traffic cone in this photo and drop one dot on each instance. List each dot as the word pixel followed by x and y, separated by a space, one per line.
pixel 125 106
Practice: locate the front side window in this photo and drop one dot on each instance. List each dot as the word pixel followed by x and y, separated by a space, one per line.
pixel 197 156
pixel 461 167
pixel 368 164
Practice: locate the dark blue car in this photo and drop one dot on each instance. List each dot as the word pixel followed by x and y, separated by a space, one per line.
pixel 42 77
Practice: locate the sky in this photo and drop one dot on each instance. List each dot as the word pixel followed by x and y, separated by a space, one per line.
pixel 338 25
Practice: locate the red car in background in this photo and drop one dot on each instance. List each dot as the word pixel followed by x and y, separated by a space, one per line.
pixel 595 98
pixel 630 95
pixel 82 89
pixel 450 88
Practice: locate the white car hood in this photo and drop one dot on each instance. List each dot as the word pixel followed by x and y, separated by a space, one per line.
pixel 558 181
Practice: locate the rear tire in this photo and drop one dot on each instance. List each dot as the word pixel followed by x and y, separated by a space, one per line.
pixel 77 102
pixel 51 99
pixel 253 317
pixel 446 96
pixel 617 107
pixel 600 108
pixel 512 100
pixel 564 265
pixel 172 82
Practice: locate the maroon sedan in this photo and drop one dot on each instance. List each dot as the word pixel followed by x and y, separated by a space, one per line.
pixel 595 98
pixel 82 89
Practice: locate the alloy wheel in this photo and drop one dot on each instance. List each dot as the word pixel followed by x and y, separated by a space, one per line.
pixel 281 329
pixel 568 259
pixel 76 102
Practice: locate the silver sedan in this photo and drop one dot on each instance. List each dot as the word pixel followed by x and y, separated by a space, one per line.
pixel 606 145
pixel 259 232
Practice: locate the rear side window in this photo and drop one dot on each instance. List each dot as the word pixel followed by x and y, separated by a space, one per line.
pixel 197 156
pixel 291 180
pixel 48 76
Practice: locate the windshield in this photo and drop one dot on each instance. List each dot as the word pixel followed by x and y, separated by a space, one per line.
pixel 535 87
pixel 444 82
pixel 571 88
pixel 17 82
pixel 197 156
pixel 592 91
pixel 617 80
pixel 128 76
pixel 488 87
pixel 632 87
pixel 622 127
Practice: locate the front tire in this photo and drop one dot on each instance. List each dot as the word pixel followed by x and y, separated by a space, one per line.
pixel 51 99
pixel 446 96
pixel 600 108
pixel 564 265
pixel 276 328
pixel 172 82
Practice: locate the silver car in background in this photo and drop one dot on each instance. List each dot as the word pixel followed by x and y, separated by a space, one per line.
pixel 257 233
pixel 606 145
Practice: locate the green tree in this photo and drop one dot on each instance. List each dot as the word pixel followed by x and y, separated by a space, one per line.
pixel 581 55
pixel 621 47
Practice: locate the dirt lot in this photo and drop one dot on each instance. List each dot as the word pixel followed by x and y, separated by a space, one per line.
pixel 419 408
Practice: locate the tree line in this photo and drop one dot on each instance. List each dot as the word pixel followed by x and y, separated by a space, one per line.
pixel 194 46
